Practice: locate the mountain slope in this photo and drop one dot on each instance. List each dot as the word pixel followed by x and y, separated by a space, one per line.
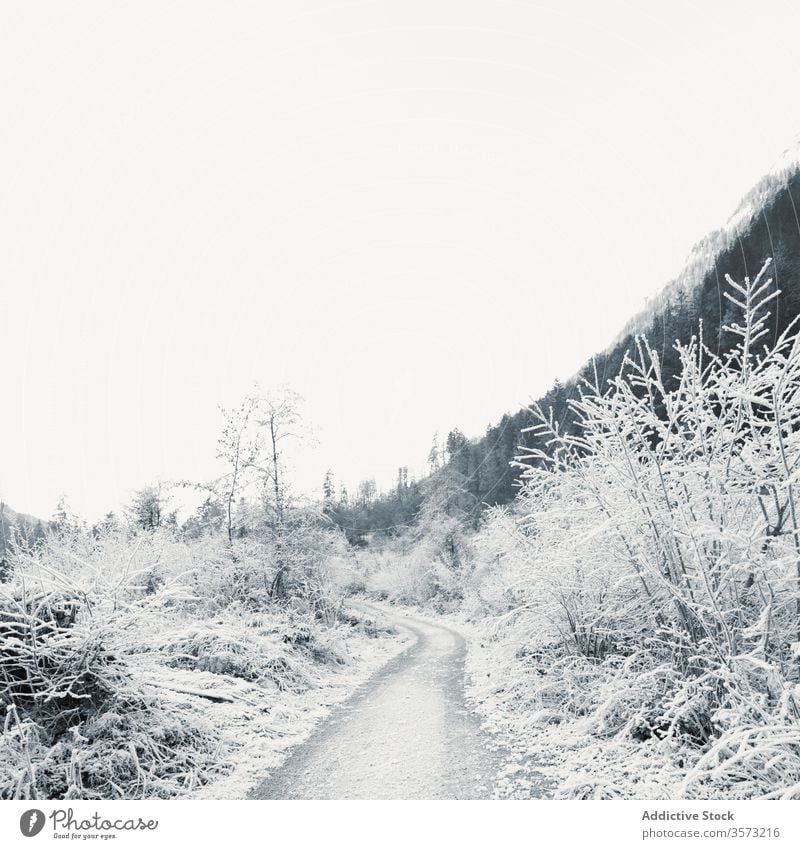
pixel 766 224
pixel 14 524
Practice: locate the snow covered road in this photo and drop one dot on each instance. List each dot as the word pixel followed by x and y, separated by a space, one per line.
pixel 408 735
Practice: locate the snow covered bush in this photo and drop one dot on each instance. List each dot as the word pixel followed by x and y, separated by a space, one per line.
pixel 77 723
pixel 112 644
pixel 658 550
pixel 427 565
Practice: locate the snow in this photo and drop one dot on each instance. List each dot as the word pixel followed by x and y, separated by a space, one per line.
pixel 651 663
pixel 409 735
pixel 556 755
pixel 259 729
pixel 518 766
pixel 217 683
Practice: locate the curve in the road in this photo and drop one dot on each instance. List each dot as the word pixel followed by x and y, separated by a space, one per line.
pixel 409 735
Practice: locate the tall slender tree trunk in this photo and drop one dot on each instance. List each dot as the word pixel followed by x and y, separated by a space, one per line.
pixel 277 584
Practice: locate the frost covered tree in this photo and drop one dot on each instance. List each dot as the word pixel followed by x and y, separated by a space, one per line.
pixel 149 508
pixel 279 421
pixel 64 519
pixel 367 492
pixel 238 447
pixel 328 488
pixel 278 416
pixel 434 455
pixel 656 553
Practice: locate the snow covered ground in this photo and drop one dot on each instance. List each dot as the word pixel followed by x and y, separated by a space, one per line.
pixel 258 728
pixel 554 754
pixel 408 735
pixel 524 770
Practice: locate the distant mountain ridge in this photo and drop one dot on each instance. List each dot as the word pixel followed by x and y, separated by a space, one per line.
pixel 477 472
pixel 13 523
pixel 766 224
pixel 14 516
pixel 704 255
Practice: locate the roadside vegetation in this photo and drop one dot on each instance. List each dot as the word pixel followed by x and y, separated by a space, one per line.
pixel 635 609
pixel 638 605
pixel 139 658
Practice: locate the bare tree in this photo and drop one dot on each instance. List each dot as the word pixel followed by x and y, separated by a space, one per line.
pixel 238 446
pixel 278 417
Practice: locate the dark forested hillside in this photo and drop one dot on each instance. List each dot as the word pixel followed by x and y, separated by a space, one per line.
pixel 16 527
pixel 766 225
pixel 477 472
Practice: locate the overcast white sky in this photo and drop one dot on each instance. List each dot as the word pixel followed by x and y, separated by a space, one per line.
pixel 418 214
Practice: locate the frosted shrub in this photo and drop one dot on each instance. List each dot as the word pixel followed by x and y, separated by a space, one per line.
pixel 429 565
pixel 76 724
pixel 95 632
pixel 660 544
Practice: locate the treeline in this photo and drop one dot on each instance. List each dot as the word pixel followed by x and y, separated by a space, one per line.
pixel 455 486
pixel 250 505
pixel 368 510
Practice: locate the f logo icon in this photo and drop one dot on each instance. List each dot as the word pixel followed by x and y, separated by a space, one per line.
pixel 31 822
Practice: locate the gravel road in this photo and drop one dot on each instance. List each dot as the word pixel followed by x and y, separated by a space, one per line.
pixel 407 735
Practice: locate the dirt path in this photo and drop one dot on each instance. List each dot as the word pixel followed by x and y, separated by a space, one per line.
pixel 409 735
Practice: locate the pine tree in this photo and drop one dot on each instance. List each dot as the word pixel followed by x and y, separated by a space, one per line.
pixel 433 455
pixel 328 488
